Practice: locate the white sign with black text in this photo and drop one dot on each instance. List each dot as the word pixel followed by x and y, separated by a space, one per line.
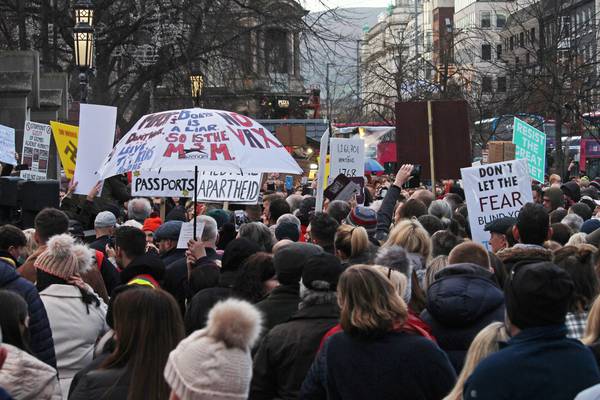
pixel 36 150
pixel 494 191
pixel 347 158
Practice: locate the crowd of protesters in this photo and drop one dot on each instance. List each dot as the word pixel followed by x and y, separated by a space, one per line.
pixel 386 300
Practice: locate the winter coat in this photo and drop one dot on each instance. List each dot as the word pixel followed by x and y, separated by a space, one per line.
pixel 94 383
pixel 385 215
pixel 41 342
pixel 287 352
pixel 75 328
pixel 176 277
pixel 27 378
pixel 203 301
pixel 460 303
pixel 281 304
pixel 110 273
pixel 523 253
pixel 146 264
pixel 100 243
pixel 592 393
pixel 537 363
pixel 172 255
pixel 398 365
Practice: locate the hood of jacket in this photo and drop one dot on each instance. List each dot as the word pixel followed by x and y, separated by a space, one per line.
pixel 7 273
pixel 517 254
pixel 26 377
pixel 148 263
pixel 462 295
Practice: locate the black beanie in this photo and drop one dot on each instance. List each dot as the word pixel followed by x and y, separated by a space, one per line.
pixel 572 190
pixel 537 295
pixel 287 230
pixel 321 272
pixel 289 259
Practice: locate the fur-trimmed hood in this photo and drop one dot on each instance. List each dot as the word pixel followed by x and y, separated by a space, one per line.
pixel 521 253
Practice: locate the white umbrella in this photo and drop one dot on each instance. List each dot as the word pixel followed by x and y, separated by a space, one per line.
pixel 181 140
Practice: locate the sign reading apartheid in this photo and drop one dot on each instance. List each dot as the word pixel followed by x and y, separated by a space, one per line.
pixel 213 186
pixel 494 191
pixel 530 144
pixel 36 150
pixel 347 158
pixel 66 137
pixel 7 145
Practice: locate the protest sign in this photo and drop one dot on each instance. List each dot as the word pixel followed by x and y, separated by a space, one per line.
pixel 36 150
pixel 181 140
pixel 7 145
pixel 347 158
pixel 95 141
pixel 65 137
pixel 213 186
pixel 187 233
pixel 530 145
pixel 494 191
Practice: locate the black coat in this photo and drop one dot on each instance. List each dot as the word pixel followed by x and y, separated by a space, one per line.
pixel 460 303
pixel 173 255
pixel 100 243
pixel 398 365
pixel 147 264
pixel 287 352
pixel 41 342
pixel 176 277
pixel 281 304
pixel 106 384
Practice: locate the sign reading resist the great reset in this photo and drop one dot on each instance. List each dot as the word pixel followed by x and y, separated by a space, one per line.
pixel 347 158
pixel 530 144
pixel 213 186
pixel 494 191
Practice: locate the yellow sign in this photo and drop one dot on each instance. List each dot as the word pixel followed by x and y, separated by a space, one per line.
pixel 327 169
pixel 65 137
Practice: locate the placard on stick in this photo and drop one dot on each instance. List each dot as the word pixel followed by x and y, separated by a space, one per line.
pixel 494 191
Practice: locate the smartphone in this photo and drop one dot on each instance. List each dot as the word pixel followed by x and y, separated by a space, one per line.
pixel 415 178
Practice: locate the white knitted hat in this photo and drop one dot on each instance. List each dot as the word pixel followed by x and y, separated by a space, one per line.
pixel 64 258
pixel 215 363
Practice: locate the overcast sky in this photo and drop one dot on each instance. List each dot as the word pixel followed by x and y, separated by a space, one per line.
pixel 316 5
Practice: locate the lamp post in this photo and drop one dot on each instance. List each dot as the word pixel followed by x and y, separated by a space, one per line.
pixel 83 40
pixel 197 83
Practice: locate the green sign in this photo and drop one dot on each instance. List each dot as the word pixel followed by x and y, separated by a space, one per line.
pixel 530 144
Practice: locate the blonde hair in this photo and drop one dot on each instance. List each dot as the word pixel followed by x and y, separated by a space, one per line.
pixel 369 303
pixel 592 327
pixel 411 235
pixel 577 239
pixel 351 240
pixel 31 245
pixel 397 278
pixel 435 266
pixel 485 343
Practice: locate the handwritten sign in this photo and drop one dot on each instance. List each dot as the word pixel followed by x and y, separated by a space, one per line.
pixel 187 233
pixel 530 144
pixel 347 158
pixel 7 145
pixel 212 185
pixel 36 150
pixel 494 191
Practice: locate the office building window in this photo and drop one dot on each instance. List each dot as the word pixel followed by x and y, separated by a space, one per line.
pixel 486 19
pixel 522 39
pixel 502 84
pixel 500 20
pixel 486 84
pixel 486 52
pixel 498 51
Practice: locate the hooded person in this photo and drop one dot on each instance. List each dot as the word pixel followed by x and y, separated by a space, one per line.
pixel 215 362
pixel 553 198
pixel 283 301
pixel 572 192
pixel 236 253
pixel 539 361
pixel 71 305
pixel 296 341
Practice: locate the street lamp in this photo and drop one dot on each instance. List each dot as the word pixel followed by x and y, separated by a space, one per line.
pixel 197 82
pixel 83 40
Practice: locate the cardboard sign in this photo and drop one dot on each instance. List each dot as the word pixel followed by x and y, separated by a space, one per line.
pixel 66 137
pixel 7 145
pixel 530 145
pixel 347 158
pixel 36 150
pixel 96 136
pixel 494 191
pixel 213 186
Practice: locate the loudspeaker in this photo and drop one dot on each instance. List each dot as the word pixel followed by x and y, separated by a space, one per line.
pixel 37 195
pixel 10 188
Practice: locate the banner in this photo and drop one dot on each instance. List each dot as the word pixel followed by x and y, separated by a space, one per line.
pixel 213 186
pixel 530 145
pixel 347 158
pixel 95 141
pixel 36 150
pixel 494 191
pixel 7 145
pixel 65 137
